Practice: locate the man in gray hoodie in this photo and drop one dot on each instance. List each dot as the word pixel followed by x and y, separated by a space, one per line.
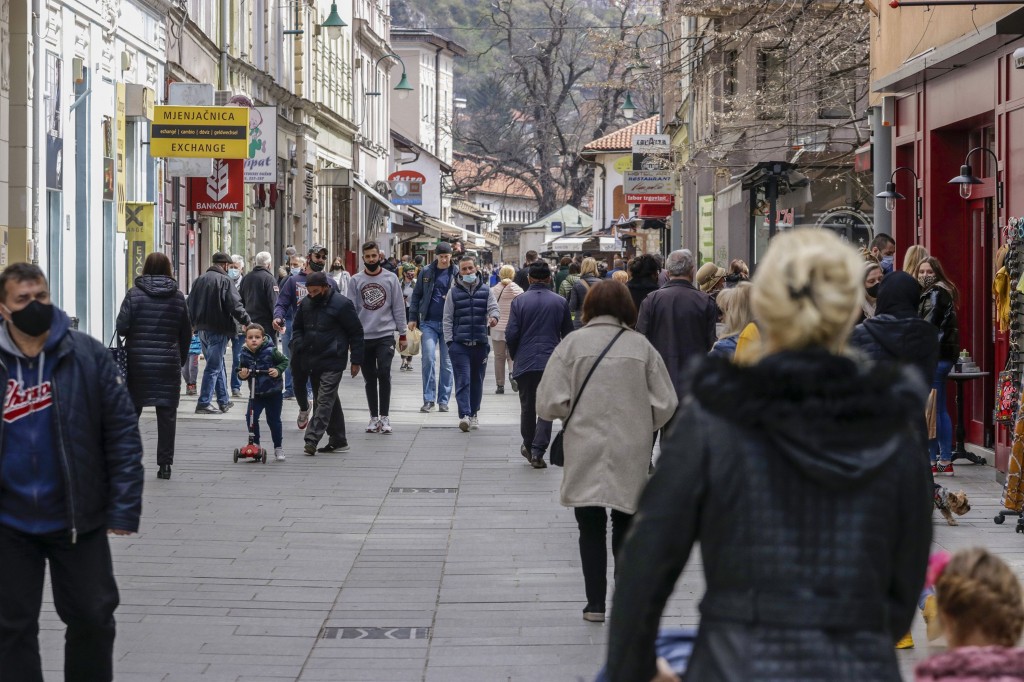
pixel 377 296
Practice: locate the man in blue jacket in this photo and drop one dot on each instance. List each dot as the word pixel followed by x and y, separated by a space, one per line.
pixel 538 321
pixel 70 472
pixel 426 310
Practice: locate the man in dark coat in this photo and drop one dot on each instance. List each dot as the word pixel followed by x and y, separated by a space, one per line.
pixel 678 319
pixel 70 473
pixel 212 304
pixel 259 293
pixel 522 277
pixel 426 310
pixel 325 330
pixel 538 321
pixel 157 330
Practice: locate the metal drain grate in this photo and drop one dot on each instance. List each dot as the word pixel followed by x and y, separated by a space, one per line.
pixel 375 633
pixel 425 490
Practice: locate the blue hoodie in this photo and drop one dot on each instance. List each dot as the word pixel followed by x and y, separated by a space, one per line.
pixel 32 493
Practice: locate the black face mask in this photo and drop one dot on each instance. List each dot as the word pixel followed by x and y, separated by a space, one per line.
pixel 372 267
pixel 873 290
pixel 315 267
pixel 34 319
pixel 335 267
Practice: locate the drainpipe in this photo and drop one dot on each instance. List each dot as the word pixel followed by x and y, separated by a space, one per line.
pixel 225 221
pixel 37 103
pixel 881 167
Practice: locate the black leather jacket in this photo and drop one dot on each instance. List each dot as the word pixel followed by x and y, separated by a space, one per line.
pixel 937 307
pixel 325 330
pixel 214 301
pixel 96 433
pixel 804 477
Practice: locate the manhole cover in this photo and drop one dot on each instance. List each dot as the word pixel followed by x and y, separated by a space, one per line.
pixel 375 633
pixel 425 490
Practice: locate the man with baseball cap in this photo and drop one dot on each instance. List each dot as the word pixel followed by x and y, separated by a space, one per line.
pixel 211 295
pixel 426 310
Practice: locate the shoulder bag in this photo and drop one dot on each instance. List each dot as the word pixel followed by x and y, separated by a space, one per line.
pixel 120 355
pixel 557 448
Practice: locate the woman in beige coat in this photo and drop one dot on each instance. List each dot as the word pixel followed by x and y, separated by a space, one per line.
pixel 608 439
pixel 504 292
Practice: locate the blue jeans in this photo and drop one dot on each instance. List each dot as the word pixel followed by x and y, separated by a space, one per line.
pixel 470 366
pixel 214 380
pixel 433 339
pixel 237 341
pixel 941 447
pixel 271 403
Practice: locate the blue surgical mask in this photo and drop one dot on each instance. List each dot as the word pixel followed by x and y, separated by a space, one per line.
pixel 887 263
pixel 469 279
pixel 296 271
pixel 234 273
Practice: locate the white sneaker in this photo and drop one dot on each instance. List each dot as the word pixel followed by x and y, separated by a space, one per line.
pixel 385 424
pixel 474 423
pixel 279 454
pixel 374 425
pixel 303 419
pixel 464 424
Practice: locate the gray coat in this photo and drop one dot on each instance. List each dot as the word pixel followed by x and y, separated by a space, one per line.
pixel 629 397
pixel 678 320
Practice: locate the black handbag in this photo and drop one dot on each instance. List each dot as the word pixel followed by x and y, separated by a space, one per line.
pixel 557 447
pixel 120 355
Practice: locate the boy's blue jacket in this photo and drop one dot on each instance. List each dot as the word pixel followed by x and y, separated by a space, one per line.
pixel 265 357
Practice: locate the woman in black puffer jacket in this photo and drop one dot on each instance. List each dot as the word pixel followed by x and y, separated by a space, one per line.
pixel 155 324
pixel 803 477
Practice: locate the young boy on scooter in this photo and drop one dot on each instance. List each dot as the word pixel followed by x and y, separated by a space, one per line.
pixel 261 357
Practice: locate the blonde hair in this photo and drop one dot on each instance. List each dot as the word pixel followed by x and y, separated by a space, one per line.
pixel 735 306
pixel 588 267
pixel 506 272
pixel 978 593
pixel 915 254
pixel 620 276
pixel 808 291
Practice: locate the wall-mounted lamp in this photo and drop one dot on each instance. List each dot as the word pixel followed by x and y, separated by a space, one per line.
pixel 967 179
pixel 333 23
pixel 403 88
pixel 891 195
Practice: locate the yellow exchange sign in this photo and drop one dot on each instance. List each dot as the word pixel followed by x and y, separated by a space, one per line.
pixel 200 132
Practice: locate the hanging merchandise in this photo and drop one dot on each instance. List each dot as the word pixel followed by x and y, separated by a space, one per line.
pixel 1009 384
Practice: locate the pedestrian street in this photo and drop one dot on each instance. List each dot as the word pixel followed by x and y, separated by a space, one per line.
pixel 424 555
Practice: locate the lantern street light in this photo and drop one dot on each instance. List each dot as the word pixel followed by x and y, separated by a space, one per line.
pixel 333 23
pixel 628 108
pixel 967 179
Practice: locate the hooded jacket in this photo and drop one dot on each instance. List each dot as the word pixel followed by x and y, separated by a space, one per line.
pixel 70 450
pixel 804 477
pixel 896 333
pixel 293 291
pixel 266 357
pixel 973 664
pixel 155 323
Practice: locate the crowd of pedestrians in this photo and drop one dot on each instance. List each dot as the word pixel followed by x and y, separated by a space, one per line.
pixel 797 413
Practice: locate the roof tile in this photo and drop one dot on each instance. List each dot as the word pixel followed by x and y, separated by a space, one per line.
pixel 622 139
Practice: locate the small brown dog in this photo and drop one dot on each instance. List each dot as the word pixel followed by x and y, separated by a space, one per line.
pixel 949 503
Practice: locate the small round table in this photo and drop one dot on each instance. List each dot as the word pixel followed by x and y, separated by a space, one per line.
pixel 959 452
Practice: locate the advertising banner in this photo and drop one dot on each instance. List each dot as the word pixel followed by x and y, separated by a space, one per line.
pixel 261 166
pixel 652 152
pixel 121 160
pixel 200 132
pixel 406 188
pixel 222 191
pixel 140 233
pixel 706 227
pixel 649 187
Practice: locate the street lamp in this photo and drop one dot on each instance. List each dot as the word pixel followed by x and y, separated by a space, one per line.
pixel 967 179
pixel 628 108
pixel 403 88
pixel 891 195
pixel 639 65
pixel 333 23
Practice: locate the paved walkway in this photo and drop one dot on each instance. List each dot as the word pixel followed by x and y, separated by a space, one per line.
pixel 428 555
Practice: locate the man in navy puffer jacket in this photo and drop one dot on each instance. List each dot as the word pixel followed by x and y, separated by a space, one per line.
pixel 70 472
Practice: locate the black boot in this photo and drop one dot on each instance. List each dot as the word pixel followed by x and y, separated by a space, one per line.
pixel 164 472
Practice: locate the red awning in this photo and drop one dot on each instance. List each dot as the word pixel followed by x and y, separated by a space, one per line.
pixel 655 211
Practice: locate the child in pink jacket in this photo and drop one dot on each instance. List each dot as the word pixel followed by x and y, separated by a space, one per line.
pixel 981 612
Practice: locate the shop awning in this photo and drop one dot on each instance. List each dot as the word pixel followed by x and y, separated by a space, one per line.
pixel 655 210
pixel 568 243
pixel 610 243
pixel 373 194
